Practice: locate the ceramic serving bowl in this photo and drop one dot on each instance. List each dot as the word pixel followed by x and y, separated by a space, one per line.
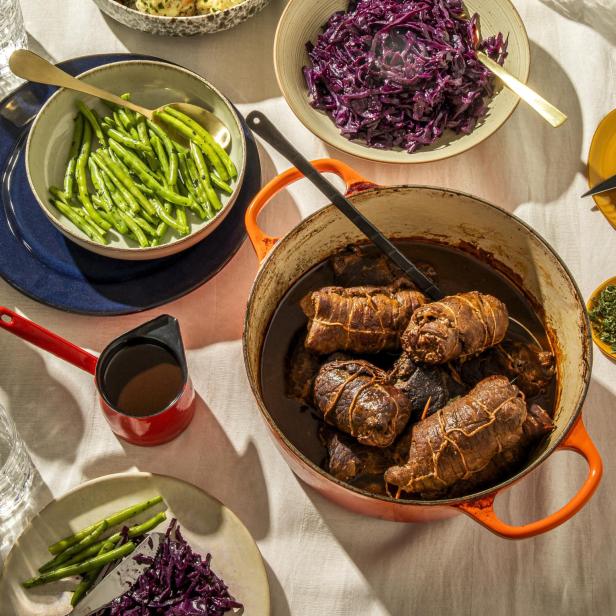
pixel 606 349
pixel 152 84
pixel 181 26
pixel 463 222
pixel 302 22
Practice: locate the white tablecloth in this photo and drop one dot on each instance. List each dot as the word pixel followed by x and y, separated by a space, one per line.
pixel 320 558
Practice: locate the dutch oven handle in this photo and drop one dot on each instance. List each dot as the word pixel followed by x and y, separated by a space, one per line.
pixel 482 510
pixel 262 242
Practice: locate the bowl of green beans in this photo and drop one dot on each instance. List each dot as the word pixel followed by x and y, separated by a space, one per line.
pixel 123 187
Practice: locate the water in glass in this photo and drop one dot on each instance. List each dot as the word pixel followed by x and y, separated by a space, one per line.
pixel 16 470
pixel 12 33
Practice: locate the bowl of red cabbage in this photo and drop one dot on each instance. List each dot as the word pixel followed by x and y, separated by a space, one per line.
pixel 399 81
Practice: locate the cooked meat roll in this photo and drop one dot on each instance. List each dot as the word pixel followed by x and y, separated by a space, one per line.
pixel 426 387
pixel 358 319
pixel 302 366
pixel 528 366
pixel 356 464
pixel 355 397
pixel 359 265
pixel 461 439
pixel 456 326
pixel 537 425
pixel 532 368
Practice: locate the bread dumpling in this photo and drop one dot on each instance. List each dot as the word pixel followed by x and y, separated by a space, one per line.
pixel 167 8
pixel 211 6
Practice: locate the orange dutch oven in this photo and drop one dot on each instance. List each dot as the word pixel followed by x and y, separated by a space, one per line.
pixel 457 220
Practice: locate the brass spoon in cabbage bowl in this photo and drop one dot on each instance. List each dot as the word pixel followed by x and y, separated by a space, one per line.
pixel 30 66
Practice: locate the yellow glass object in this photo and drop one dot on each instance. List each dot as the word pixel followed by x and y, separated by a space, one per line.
pixel 602 164
pixel 606 349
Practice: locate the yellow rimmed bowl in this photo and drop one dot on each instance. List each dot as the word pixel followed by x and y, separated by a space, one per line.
pixel 152 84
pixel 302 22
pixel 606 349
pixel 602 164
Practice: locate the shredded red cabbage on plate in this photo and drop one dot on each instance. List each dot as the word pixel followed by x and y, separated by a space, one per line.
pixel 179 583
pixel 396 74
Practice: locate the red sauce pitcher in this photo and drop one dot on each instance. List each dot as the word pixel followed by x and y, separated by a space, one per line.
pixel 142 379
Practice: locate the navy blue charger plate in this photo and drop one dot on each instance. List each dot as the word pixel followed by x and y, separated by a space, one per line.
pixel 40 262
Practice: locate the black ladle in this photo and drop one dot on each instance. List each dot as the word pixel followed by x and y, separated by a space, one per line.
pixel 261 125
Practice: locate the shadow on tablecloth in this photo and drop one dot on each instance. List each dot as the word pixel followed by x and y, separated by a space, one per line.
pixel 600 15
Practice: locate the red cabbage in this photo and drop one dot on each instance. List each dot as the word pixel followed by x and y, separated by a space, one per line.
pixel 398 73
pixel 179 583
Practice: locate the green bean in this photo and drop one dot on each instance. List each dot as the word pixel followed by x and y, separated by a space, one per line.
pixel 204 176
pixel 112 520
pixel 92 538
pixel 92 121
pixel 207 137
pixel 155 242
pixel 145 175
pixel 182 220
pixel 84 567
pixel 178 147
pixel 69 176
pixel 99 184
pixel 190 133
pixel 118 192
pixel 126 180
pixel 79 222
pixel 161 229
pixel 203 201
pixel 133 531
pixel 181 226
pixel 90 577
pixel 142 131
pixel 159 150
pixel 135 228
pixel 220 184
pixel 80 176
pixel 170 149
pixel 129 142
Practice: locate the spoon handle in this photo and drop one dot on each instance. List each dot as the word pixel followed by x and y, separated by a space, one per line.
pixel 545 109
pixel 261 125
pixel 30 66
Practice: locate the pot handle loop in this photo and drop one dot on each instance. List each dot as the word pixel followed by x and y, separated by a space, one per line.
pixel 578 440
pixel 262 242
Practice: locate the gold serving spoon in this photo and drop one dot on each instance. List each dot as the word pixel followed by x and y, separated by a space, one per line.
pixel 30 66
pixel 545 109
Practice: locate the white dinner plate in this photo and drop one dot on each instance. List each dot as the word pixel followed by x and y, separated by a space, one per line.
pixel 206 524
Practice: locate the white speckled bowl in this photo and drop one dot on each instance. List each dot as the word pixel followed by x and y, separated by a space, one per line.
pixel 303 20
pixel 152 84
pixel 181 26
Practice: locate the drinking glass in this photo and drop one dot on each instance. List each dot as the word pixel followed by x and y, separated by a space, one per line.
pixel 16 470
pixel 12 36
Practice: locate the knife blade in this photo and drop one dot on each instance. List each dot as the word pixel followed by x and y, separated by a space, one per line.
pixel 602 187
pixel 120 578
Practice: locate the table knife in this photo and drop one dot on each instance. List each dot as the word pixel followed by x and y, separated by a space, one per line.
pixel 602 187
pixel 120 578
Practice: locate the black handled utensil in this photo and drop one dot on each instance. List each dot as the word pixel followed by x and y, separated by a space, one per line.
pixel 602 187
pixel 261 125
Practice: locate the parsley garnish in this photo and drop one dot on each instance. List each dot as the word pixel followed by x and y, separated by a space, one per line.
pixel 603 316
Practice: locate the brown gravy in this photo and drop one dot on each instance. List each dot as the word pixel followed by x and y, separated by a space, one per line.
pixel 457 272
pixel 142 379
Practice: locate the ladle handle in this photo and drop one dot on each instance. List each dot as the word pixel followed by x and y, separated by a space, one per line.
pixel 261 125
pixel 28 65
pixel 46 340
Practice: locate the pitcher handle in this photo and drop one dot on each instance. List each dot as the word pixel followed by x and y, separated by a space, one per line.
pixel 261 241
pixel 578 440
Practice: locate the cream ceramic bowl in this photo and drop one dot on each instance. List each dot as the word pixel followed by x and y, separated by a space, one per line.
pixel 181 26
pixel 152 84
pixel 302 22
